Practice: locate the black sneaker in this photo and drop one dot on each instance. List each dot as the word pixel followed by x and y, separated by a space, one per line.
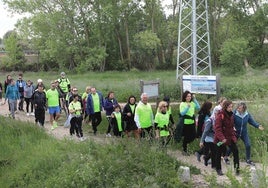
pixel 205 162
pixel 249 162
pixel 237 171
pixel 219 172
pixel 226 160
pixel 198 156
pixel 185 153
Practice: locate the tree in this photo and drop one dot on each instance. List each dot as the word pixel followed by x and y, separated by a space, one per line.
pixel 16 57
pixel 234 54
pixel 146 44
pixel 101 35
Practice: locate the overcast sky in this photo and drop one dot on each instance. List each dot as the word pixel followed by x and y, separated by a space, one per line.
pixel 8 20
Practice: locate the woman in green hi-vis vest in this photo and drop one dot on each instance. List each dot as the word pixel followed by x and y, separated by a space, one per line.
pixel 188 107
pixel 161 123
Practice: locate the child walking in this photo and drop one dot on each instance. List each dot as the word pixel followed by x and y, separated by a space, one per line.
pixel 117 121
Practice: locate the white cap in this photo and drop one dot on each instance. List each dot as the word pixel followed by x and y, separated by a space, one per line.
pixel 39 80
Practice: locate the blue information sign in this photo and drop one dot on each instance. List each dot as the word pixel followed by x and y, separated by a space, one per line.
pixel 200 84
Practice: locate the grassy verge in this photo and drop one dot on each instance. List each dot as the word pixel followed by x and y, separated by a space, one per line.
pixel 31 158
pixel 250 86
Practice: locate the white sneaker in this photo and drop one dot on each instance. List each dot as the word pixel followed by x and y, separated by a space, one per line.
pixel 32 114
pixel 82 139
pixel 71 137
pixel 108 135
pixel 27 114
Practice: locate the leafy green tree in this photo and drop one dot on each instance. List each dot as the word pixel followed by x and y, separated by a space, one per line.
pixel 146 44
pixel 234 54
pixel 101 35
pixel 15 53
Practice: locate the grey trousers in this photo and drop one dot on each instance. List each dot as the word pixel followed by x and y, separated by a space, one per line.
pixel 12 107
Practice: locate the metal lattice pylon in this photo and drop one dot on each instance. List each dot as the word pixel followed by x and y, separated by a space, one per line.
pixel 193 55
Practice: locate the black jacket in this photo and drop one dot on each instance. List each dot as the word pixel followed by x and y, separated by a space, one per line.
pixel 39 100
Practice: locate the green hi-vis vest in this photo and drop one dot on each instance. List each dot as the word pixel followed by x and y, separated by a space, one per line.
pixel 75 106
pixel 118 117
pixel 189 113
pixel 144 113
pixel 96 102
pixel 63 83
pixel 162 120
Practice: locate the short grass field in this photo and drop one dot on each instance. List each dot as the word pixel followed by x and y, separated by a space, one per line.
pixel 253 85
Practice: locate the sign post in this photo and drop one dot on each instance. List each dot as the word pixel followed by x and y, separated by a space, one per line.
pixel 201 84
pixel 151 88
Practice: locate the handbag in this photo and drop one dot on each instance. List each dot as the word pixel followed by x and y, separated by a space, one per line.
pixel 68 121
pixel 178 131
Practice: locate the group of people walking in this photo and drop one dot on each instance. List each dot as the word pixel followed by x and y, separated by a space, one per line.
pixel 21 91
pixel 37 99
pixel 218 130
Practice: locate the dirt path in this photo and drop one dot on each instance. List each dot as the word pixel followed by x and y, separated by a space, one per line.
pixel 198 180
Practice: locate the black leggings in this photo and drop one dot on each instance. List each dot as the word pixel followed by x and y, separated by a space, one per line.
pixel 40 116
pixel 28 103
pixel 210 153
pixel 221 149
pixel 96 120
pixel 189 134
pixel 149 131
pixel 76 125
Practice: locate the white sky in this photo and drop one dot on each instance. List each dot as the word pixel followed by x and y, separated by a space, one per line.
pixel 8 20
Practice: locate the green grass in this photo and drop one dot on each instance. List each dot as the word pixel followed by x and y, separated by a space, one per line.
pixel 250 86
pixel 31 158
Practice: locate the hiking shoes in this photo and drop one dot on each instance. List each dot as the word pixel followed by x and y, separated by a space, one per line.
pixel 108 135
pixel 249 162
pixel 54 126
pixel 205 161
pixel 219 172
pixel 82 139
pixel 185 153
pixel 226 160
pixel 198 156
pixel 237 171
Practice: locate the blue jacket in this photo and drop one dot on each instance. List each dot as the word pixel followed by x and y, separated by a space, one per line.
pixel 241 121
pixel 109 105
pixel 90 105
pixel 12 92
pixel 20 85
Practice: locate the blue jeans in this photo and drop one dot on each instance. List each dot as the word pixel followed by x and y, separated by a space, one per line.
pixel 245 139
